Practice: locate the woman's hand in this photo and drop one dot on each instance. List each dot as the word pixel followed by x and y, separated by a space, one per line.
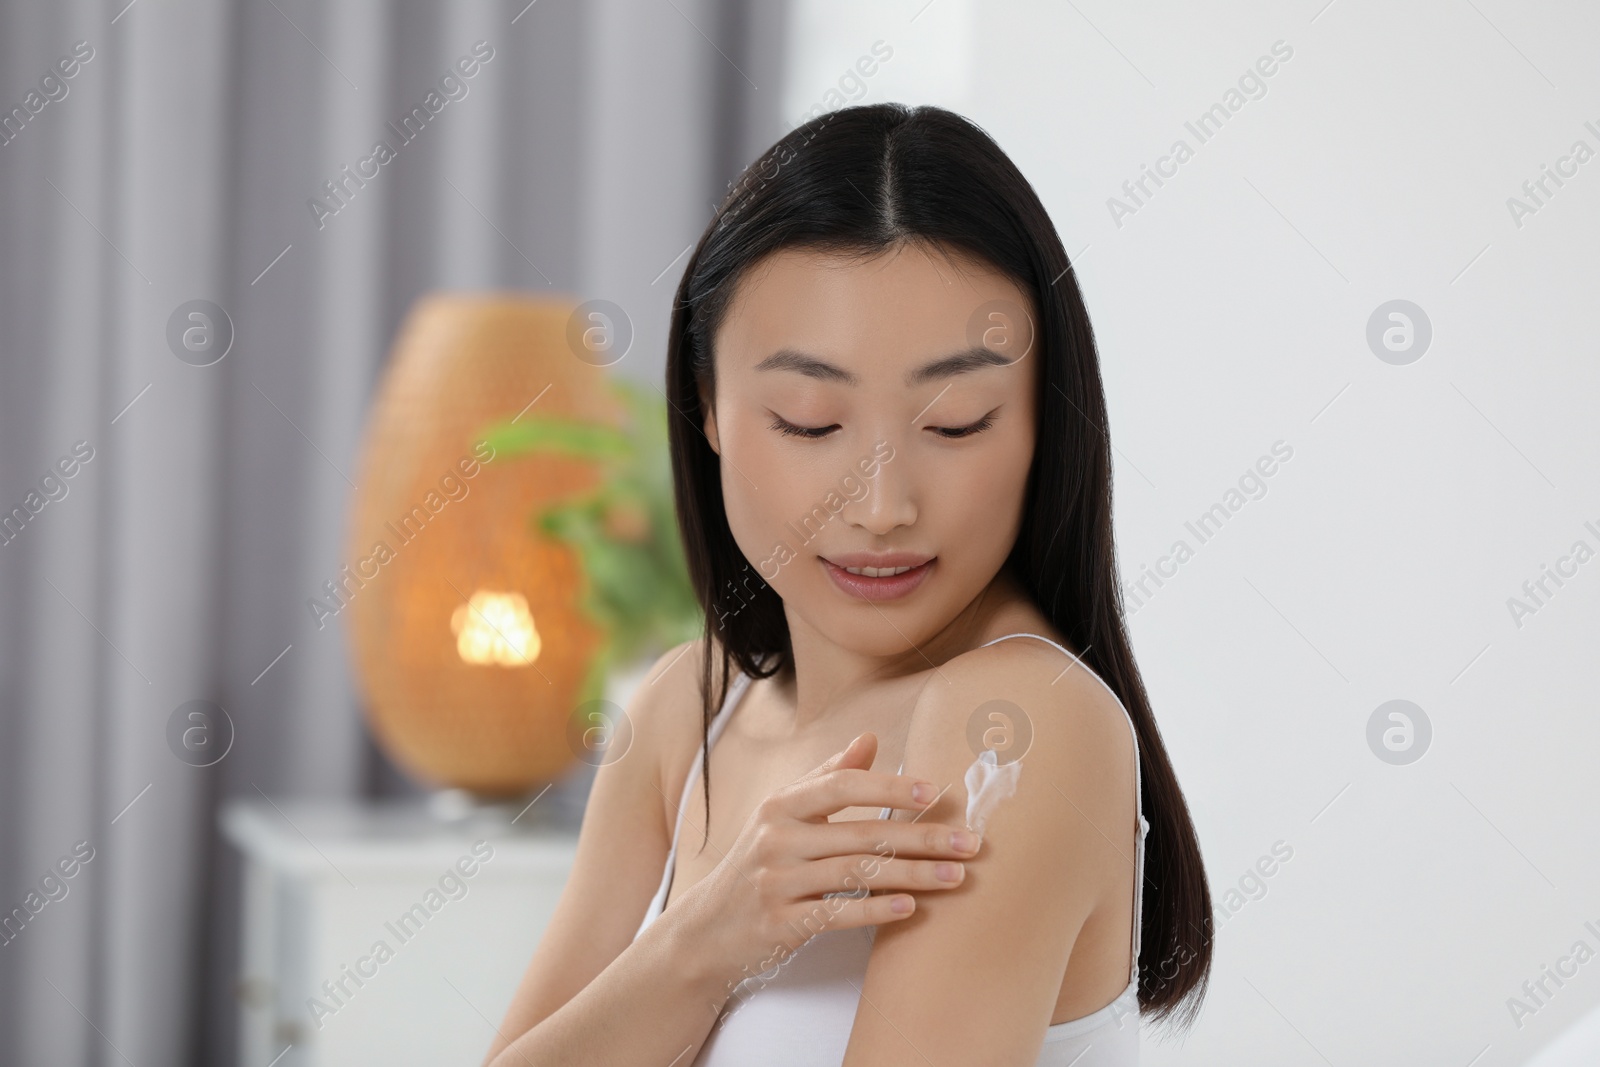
pixel 765 898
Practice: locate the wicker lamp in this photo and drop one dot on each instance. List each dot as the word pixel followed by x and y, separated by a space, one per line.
pixel 470 647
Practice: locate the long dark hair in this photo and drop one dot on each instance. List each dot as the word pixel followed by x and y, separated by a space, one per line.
pixel 862 180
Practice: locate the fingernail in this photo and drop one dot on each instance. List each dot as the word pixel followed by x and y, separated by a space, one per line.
pixel 923 792
pixel 947 872
pixel 900 905
pixel 964 841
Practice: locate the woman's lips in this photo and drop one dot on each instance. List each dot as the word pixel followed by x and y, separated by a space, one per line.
pixel 878 589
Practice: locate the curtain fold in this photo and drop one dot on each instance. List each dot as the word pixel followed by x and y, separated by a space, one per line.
pixel 183 162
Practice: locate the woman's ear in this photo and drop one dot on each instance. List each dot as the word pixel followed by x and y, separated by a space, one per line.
pixel 707 406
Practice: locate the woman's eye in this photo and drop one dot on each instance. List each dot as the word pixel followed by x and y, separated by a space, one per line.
pixel 785 427
pixel 964 431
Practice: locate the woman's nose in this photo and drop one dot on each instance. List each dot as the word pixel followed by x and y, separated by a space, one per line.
pixel 891 497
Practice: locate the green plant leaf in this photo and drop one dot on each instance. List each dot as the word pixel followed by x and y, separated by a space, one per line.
pixel 589 440
pixel 637 592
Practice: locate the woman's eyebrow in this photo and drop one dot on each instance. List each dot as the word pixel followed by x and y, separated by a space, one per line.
pixel 963 362
pixel 810 366
pixel 975 358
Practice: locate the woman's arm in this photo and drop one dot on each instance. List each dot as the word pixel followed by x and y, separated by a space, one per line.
pixel 591 994
pixel 652 1004
pixel 974 975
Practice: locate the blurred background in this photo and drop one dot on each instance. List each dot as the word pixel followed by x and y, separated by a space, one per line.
pixel 1341 260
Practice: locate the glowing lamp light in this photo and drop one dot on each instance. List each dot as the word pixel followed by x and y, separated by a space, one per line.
pixel 444 701
pixel 496 628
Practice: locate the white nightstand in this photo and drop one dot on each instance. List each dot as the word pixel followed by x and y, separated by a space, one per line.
pixel 368 910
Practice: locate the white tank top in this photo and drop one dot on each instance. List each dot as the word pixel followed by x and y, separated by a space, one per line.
pixel 800 1013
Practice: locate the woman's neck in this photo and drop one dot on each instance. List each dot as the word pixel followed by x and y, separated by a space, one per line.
pixel 822 670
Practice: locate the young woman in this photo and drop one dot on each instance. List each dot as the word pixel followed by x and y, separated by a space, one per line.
pixel 893 484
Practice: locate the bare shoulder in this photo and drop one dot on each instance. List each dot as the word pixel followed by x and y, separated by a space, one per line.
pixel 664 712
pixel 622 844
pixel 1055 850
pixel 1027 700
pixel 628 798
pixel 1045 710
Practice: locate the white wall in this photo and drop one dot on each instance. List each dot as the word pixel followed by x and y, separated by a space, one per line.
pixel 1231 311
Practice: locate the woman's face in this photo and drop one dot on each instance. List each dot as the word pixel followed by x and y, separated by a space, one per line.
pixel 874 413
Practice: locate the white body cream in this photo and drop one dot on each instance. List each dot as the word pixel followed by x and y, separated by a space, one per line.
pixel 988 783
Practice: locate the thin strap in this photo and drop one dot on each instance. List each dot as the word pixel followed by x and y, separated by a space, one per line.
pixel 735 691
pixel 1138 798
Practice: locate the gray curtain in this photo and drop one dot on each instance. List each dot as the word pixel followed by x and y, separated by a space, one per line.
pixel 205 504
